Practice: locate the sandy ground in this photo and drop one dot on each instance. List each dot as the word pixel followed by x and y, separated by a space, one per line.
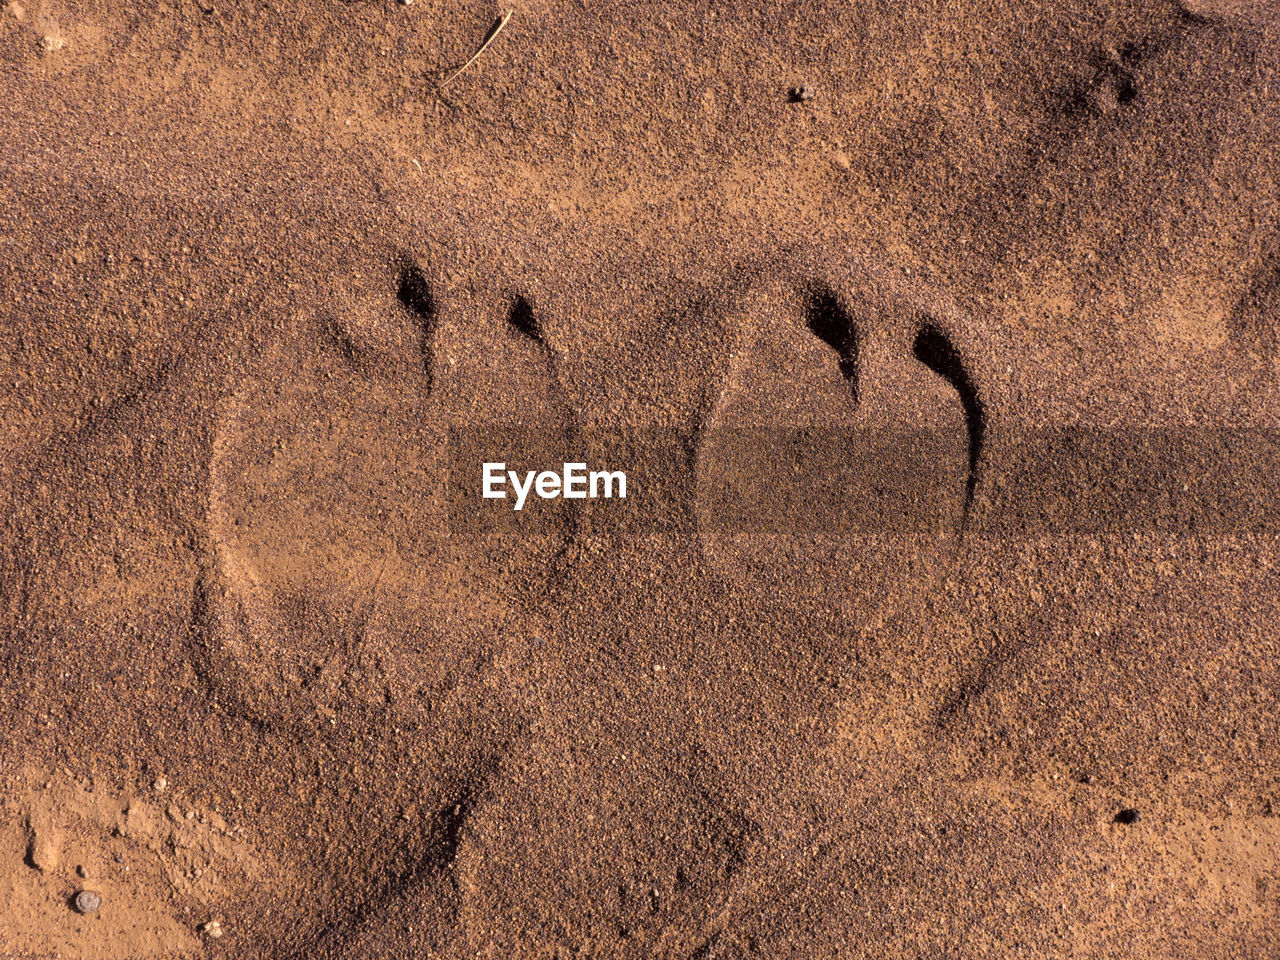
pixel 940 344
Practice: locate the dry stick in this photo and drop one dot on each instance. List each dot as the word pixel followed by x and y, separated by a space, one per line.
pixel 483 47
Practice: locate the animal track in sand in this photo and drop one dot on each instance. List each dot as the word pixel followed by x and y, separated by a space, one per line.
pixel 839 462
pixel 841 459
pixel 333 497
pixel 934 349
pixel 413 889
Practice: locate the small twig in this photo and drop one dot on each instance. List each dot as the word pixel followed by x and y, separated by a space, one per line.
pixel 493 34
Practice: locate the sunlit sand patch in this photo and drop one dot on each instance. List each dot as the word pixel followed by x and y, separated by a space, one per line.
pixel 161 867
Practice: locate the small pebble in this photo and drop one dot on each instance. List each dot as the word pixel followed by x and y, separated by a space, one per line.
pixel 1128 815
pixel 800 94
pixel 87 901
pixel 211 929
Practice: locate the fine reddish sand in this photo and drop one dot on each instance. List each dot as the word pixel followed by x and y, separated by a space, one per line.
pixel 940 344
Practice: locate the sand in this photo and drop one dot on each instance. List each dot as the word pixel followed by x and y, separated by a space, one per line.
pixel 946 391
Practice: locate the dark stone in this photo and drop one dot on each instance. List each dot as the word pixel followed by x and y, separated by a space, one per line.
pixel 1128 815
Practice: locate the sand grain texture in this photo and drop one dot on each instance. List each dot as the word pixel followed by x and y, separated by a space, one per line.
pixel 271 680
